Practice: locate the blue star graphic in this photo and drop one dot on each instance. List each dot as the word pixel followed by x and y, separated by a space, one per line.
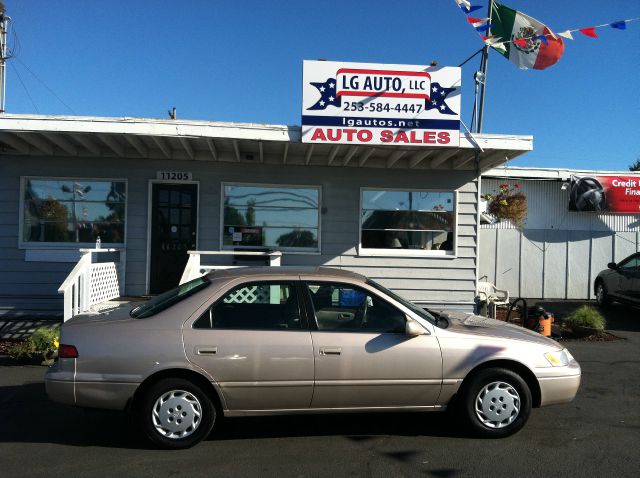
pixel 438 96
pixel 328 95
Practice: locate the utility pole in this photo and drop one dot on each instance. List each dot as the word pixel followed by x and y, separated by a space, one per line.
pixel 4 26
pixel 483 76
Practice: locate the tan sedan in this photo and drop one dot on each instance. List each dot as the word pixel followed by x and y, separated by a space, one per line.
pixel 272 341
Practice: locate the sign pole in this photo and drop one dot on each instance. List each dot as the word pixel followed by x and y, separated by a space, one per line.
pixel 484 67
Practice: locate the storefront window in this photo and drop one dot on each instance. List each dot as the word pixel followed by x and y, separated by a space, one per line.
pixel 409 220
pixel 276 217
pixel 73 210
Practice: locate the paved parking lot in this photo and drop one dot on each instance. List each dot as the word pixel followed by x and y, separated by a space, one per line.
pixel 596 435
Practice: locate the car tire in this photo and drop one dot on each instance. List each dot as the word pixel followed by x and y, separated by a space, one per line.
pixel 602 298
pixel 175 413
pixel 496 403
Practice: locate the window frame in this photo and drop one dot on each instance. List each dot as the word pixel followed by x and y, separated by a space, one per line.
pixel 295 287
pixel 22 244
pixel 380 252
pixel 288 250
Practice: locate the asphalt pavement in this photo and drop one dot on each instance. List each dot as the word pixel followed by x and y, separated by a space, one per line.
pixel 598 434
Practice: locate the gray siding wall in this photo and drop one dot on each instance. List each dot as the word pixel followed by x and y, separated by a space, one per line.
pixel 559 253
pixel 32 286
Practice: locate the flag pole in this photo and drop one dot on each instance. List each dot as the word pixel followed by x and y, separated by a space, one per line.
pixel 483 68
pixel 4 24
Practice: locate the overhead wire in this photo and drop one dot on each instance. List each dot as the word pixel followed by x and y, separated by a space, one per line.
pixel 26 90
pixel 13 54
pixel 46 86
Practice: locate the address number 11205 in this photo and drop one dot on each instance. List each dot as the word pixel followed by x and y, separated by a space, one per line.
pixel 174 175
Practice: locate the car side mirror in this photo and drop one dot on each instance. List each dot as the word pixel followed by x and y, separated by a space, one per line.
pixel 413 328
pixel 612 265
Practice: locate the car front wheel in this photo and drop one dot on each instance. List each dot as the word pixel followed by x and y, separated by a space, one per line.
pixel 176 413
pixel 497 402
pixel 601 295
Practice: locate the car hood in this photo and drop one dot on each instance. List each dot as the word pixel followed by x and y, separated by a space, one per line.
pixel 476 325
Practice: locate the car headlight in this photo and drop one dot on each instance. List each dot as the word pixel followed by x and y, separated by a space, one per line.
pixel 559 358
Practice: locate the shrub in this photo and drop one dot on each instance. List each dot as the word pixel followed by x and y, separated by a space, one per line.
pixel 43 341
pixel 587 317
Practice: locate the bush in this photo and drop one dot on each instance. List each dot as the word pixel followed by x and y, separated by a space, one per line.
pixel 587 317
pixel 43 341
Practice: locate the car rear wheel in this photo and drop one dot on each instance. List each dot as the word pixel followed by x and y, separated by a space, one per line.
pixel 496 403
pixel 601 295
pixel 176 413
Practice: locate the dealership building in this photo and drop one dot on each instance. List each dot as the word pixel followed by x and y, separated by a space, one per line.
pixel 384 184
pixel 154 189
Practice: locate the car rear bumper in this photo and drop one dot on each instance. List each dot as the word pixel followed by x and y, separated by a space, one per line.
pixel 560 389
pixel 62 388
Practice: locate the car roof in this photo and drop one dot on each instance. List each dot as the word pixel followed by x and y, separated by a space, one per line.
pixel 286 272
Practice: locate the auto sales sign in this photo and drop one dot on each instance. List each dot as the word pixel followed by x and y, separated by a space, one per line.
pixel 364 103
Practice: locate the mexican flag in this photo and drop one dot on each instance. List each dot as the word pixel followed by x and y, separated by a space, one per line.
pixel 529 52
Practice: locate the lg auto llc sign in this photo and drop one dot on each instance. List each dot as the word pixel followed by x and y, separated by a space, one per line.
pixel 363 103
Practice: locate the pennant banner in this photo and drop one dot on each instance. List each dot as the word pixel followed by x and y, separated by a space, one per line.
pixel 524 40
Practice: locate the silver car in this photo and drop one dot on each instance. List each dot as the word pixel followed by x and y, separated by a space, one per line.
pixel 270 341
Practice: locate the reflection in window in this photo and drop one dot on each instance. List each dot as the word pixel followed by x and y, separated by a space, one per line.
pixel 73 210
pixel 345 308
pixel 407 220
pixel 258 306
pixel 279 217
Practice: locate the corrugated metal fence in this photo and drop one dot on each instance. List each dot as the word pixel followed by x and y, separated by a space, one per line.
pixel 559 253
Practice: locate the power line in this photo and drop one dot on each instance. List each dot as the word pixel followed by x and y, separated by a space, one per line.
pixel 25 88
pixel 46 86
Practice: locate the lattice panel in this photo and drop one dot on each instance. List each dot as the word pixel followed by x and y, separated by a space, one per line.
pixel 104 283
pixel 250 295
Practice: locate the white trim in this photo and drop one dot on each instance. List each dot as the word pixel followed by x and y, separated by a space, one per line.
pixel 211 129
pixel 147 279
pixel 288 250
pixel 68 245
pixel 371 252
pixel 550 173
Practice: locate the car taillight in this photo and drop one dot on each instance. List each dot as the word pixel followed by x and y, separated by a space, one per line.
pixel 67 351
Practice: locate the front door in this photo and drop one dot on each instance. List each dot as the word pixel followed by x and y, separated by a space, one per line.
pixel 174 217
pixel 363 356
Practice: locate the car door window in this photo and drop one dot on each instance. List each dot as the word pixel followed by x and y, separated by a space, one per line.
pixel 346 308
pixel 631 265
pixel 254 306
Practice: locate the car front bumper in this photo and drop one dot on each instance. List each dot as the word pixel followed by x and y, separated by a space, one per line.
pixel 561 388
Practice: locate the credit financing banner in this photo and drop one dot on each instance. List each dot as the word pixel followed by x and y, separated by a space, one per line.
pixel 619 194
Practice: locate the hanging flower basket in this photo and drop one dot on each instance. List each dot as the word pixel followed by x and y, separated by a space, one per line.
pixel 508 204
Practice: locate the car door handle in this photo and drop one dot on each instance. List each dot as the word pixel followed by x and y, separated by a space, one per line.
pixel 330 350
pixel 206 350
pixel 345 316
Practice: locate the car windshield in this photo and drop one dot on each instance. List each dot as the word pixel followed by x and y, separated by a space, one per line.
pixel 410 305
pixel 169 298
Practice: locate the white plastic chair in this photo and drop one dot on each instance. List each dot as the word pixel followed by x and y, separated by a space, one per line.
pixel 493 296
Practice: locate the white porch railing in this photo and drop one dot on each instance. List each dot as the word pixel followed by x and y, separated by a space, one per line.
pixel 195 269
pixel 91 282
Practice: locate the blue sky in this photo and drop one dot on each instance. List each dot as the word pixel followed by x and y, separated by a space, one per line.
pixel 242 61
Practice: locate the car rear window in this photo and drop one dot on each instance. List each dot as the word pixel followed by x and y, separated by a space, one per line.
pixel 169 298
